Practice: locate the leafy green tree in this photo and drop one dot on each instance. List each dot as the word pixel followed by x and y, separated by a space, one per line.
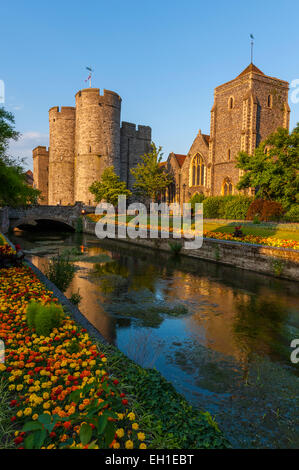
pixel 14 189
pixel 109 187
pixel 273 169
pixel 150 178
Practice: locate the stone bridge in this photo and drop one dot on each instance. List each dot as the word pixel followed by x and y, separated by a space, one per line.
pixel 11 218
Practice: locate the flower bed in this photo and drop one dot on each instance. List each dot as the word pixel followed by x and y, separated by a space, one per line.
pixel 268 241
pixel 62 395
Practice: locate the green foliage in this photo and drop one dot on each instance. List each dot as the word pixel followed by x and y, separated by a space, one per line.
pixel 265 210
pixel 211 207
pixel 14 190
pixel 273 168
pixel 109 187
pixel 293 214
pixel 43 318
pixel 150 178
pixel 61 271
pixel 226 207
pixel 196 199
pixel 163 413
pixel 76 298
pixel 235 207
pixel 175 247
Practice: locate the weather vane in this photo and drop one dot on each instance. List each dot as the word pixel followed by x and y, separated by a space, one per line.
pixel 251 44
pixel 89 76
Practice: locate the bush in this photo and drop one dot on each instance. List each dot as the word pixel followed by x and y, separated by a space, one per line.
pixel 61 271
pixel 226 207
pixel 44 318
pixel 293 214
pixel 235 207
pixel 211 207
pixel 76 298
pixel 196 199
pixel 265 210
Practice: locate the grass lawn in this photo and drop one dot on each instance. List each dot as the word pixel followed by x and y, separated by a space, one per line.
pixel 257 230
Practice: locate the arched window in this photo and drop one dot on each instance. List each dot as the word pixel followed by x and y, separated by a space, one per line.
pixel 198 170
pixel 269 101
pixel 227 187
pixel 228 154
pixel 231 102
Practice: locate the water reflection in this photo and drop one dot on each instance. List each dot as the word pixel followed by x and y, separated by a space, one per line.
pixel 221 335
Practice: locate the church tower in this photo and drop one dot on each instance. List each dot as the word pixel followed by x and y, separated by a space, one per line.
pixel 246 111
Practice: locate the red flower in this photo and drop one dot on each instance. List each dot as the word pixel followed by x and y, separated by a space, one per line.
pixel 115 382
pixel 124 401
pixel 13 402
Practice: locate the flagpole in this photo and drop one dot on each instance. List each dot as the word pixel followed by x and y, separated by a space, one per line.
pixel 251 53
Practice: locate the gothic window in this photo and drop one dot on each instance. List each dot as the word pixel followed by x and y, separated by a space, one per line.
pixel 231 103
pixel 227 187
pixel 228 154
pixel 269 101
pixel 198 170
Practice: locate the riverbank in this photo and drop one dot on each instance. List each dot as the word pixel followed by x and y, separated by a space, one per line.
pixel 135 408
pixel 271 260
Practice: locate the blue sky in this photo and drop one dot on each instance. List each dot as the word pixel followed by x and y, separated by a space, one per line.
pixel 163 57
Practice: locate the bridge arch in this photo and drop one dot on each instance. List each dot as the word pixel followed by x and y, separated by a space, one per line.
pixel 42 222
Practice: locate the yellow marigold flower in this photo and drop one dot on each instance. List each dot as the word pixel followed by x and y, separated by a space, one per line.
pixel 20 413
pixel 129 444
pixel 131 416
pixel 135 426
pixel 104 359
pixel 64 437
pixel 35 416
pixel 19 387
pixel 120 432
pixel 46 405
pixel 116 445
pixel 142 446
pixel 141 436
pixel 46 395
pixel 11 387
pixel 16 433
pixel 2 367
pixel 120 415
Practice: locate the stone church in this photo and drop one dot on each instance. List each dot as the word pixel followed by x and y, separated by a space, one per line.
pixel 245 111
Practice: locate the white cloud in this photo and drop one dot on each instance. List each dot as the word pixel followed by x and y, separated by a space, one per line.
pixel 27 142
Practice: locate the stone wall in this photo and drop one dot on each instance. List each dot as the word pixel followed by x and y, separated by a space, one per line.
pixel 279 262
pixel 133 144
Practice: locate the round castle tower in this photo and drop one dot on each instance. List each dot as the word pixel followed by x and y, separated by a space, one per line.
pixel 61 155
pixel 97 138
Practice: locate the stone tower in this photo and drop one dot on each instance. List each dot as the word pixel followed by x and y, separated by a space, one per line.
pixel 40 171
pixel 245 111
pixel 61 155
pixel 83 142
pixel 97 138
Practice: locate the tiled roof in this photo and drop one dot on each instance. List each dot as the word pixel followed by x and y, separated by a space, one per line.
pixel 180 158
pixel 251 68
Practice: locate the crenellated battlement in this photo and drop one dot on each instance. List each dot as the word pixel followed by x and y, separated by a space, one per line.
pixel 65 112
pixel 40 150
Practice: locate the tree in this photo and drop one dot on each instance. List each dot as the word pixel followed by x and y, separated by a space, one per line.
pixel 109 187
pixel 273 168
pixel 150 178
pixel 14 189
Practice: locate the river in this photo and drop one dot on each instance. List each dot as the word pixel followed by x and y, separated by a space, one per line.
pixel 221 335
